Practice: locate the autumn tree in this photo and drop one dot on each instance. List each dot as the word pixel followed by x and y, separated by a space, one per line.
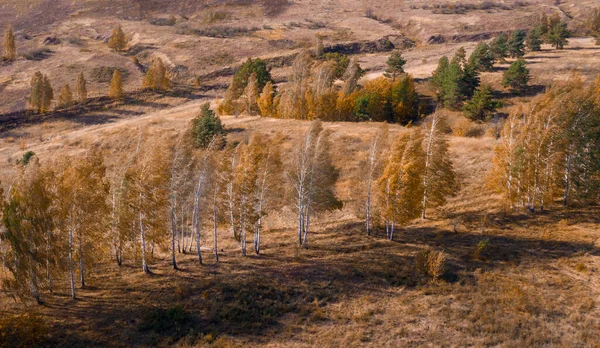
pixel 375 159
pixel 517 76
pixel 439 178
pixel 81 89
pixel 117 40
pixel 181 184
pixel 319 50
pixel 548 151
pixel 66 97
pixel 9 48
pixel 269 182
pixel 231 103
pixel 42 94
pixel 81 210
pixel 312 176
pixel 116 86
pixel 593 25
pixel 294 103
pixel 382 99
pixel 266 101
pixel 251 95
pixel 156 77
pixel 400 187
pixel 27 220
pixel 147 195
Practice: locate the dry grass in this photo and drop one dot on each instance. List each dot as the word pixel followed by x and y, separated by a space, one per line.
pixel 501 279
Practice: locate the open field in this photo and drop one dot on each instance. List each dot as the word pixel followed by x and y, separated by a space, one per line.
pixel 511 279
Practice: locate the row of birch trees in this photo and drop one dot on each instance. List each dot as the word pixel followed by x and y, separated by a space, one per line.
pixel 550 149
pixel 61 218
pixel 406 176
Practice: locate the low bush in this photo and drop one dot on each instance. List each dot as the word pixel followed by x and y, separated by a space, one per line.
pixel 431 263
pixel 37 54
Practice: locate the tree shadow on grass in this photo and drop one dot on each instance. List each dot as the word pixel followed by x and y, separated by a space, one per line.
pixel 254 297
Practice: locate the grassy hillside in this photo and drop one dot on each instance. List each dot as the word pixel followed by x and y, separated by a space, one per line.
pixel 511 279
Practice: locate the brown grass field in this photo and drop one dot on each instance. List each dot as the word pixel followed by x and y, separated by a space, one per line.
pixel 534 283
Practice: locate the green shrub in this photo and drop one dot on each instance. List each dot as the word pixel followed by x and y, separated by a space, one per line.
pixel 481 249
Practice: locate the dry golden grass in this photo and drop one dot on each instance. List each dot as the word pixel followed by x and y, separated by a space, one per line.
pixel 510 280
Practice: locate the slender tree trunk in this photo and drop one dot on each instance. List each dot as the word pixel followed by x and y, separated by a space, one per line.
pixel 34 287
pixel 173 235
pixel 145 267
pixel 392 231
pixel 300 224
pixel 181 242
pixel 567 179
pixel 216 249
pixel 368 208
pixel 81 263
pixel 48 274
pixel 71 271
pixel 306 226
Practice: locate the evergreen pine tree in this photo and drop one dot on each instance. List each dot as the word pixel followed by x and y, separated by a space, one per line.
pixel 516 44
pixel 482 106
pixel 517 76
pixel 499 47
pixel 558 33
pixel 206 127
pixel 395 65
pixel 481 59
pixel 534 40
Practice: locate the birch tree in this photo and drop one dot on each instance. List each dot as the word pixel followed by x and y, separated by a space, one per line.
pixel 375 157
pixel 182 165
pixel 82 203
pixel 439 179
pixel 269 182
pixel 26 215
pixel 312 178
pixel 148 195
pixel 401 185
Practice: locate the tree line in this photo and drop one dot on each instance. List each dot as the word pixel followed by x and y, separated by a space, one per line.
pixel 178 193
pixel 324 86
pixel 551 149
